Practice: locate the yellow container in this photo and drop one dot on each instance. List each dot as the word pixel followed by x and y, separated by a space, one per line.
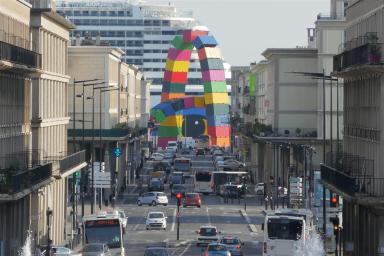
pixel 216 98
pixel 199 102
pixel 177 66
pixel 173 121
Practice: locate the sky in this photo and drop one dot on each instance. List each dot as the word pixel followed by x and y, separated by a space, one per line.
pixel 245 28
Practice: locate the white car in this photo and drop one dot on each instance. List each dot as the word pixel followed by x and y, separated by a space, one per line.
pixel 157 156
pixel 232 163
pixel 207 234
pixel 172 145
pixel 156 220
pixel 259 188
pixel 153 198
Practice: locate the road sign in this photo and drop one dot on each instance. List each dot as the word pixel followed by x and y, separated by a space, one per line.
pixel 102 179
pixel 117 152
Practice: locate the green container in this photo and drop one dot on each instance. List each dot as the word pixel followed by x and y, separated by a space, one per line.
pixel 173 87
pixel 217 109
pixel 179 43
pixel 169 131
pixel 215 86
pixel 158 114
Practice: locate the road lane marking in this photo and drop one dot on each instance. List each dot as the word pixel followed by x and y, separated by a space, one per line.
pixel 209 218
pixel 185 250
pixel 173 221
pixel 136 226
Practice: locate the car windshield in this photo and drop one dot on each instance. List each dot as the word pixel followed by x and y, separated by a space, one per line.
pixel 230 241
pixel 155 183
pixel 286 229
pixel 172 144
pixel 108 234
pixel 216 248
pixel 191 195
pixel 208 231
pixel 156 215
pixel 93 248
pixel 231 188
pixel 156 252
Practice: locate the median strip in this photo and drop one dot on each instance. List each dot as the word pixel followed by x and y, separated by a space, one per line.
pixel 251 226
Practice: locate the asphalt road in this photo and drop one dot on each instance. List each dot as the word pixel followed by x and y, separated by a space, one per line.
pixel 226 217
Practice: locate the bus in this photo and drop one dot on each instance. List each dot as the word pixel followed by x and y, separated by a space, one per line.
pixel 285 230
pixel 182 164
pixel 203 180
pixel 220 178
pixel 105 228
pixel 202 141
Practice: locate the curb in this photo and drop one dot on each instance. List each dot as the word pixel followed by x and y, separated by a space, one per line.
pixel 251 226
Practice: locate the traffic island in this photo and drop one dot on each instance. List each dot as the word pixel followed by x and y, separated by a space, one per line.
pixel 252 227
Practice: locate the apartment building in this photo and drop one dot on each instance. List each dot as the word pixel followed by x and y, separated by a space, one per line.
pixel 356 173
pixel 116 108
pixel 34 161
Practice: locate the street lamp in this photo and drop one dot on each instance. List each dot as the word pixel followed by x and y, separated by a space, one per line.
pixel 74 208
pixel 102 91
pixel 49 214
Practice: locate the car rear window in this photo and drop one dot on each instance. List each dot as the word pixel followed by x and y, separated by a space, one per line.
pixel 216 247
pixel 208 231
pixel 156 215
pixel 191 195
pixel 230 241
pixel 160 194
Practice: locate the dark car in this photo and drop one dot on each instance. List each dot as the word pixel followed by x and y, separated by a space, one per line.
pixel 185 151
pixel 200 152
pixel 156 251
pixel 96 249
pixel 156 185
pixel 177 188
pixel 230 191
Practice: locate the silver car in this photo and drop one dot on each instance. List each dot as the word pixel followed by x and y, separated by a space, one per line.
pixel 63 251
pixel 96 249
pixel 153 198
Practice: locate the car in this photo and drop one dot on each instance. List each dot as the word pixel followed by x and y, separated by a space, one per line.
pixel 217 152
pixel 233 163
pixel 216 249
pixel 185 151
pixel 233 244
pixel 192 199
pixel 200 152
pixel 157 157
pixel 156 184
pixel 63 251
pixel 172 145
pixel 230 191
pixel 178 188
pixel 153 198
pixel 156 251
pixel 259 188
pixel 156 220
pixel 207 234
pixel 96 249
pixel 218 158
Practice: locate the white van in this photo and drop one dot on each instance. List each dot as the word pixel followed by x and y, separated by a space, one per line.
pixel 172 145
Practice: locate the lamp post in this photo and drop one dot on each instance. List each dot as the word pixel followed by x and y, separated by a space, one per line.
pixel 74 202
pixel 49 214
pixel 100 153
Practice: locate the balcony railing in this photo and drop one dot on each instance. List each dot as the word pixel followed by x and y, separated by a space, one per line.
pixel 12 182
pixel 330 16
pixel 356 171
pixel 367 54
pixel 19 55
pixel 114 133
pixel 72 161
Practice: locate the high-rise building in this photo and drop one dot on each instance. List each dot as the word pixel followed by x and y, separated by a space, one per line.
pixel 143 31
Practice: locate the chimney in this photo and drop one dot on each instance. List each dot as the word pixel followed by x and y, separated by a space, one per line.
pixel 78 40
pixel 98 38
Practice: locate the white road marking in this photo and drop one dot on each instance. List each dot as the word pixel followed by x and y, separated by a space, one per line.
pixel 173 221
pixel 209 218
pixel 185 250
pixel 136 226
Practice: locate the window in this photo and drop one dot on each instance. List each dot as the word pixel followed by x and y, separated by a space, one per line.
pixel 76 13
pixel 112 13
pixel 121 22
pixel 103 22
pixel 156 23
pixel 94 13
pixel 85 13
pixel 111 33
pixel 120 13
pixel 112 22
pixel 166 32
pixel 95 22
pixel 120 33
pixel 103 13
pixel 166 22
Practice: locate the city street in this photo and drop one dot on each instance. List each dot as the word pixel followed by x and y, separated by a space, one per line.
pixel 226 217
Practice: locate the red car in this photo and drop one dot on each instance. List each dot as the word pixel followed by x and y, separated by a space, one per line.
pixel 192 199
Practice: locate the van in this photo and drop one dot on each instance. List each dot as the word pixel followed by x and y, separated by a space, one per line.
pixel 172 145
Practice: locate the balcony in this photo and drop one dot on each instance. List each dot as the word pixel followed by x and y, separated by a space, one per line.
pixel 106 134
pixel 352 176
pixel 331 16
pixel 358 56
pixel 76 160
pixel 16 56
pixel 43 4
pixel 13 182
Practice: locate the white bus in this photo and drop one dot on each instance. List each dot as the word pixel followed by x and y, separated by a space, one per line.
pixel 182 164
pixel 104 228
pixel 220 178
pixel 203 179
pixel 285 230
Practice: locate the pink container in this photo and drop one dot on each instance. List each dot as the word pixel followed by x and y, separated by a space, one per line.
pixel 189 102
pixel 163 142
pixel 213 75
pixel 174 54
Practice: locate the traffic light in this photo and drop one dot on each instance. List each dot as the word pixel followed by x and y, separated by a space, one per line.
pixel 336 225
pixel 179 196
pixel 334 200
